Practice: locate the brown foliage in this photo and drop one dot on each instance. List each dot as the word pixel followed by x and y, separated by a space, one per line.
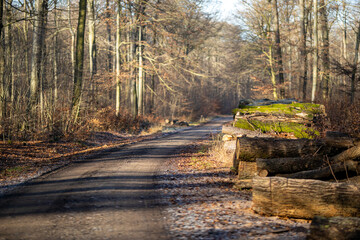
pixel 344 117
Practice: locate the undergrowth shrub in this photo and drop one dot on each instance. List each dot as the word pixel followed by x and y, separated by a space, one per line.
pixel 106 120
pixel 344 117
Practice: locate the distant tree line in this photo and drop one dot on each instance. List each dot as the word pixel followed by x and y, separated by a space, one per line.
pixel 64 61
pixel 307 49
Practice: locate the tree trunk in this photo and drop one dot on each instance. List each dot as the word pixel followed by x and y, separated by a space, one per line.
pixel 37 54
pixel 336 228
pixel 118 58
pixel 1 16
pixel 9 61
pixel 353 74
pixel 274 166
pixel 325 57
pixel 108 30
pixel 55 56
pixel 79 61
pixel 302 198
pixel 278 49
pixel 315 54
pixel 92 46
pixel 344 39
pixel 303 50
pixel 141 70
pixel 72 48
pixel 2 67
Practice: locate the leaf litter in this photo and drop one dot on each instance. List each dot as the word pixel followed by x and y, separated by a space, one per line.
pixel 201 201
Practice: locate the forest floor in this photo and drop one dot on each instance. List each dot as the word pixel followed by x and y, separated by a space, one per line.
pixel 198 190
pixel 25 160
pixel 206 205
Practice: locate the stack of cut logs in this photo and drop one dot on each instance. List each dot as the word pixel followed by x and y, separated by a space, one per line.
pixel 302 178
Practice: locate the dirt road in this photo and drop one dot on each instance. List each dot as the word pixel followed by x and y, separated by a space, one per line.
pixel 112 196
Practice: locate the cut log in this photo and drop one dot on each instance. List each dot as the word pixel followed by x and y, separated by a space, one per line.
pixel 242 184
pixel 242 132
pixel 248 149
pixel 287 165
pixel 338 140
pixel 329 172
pixel 336 228
pixel 303 198
pixel 350 154
pixel 230 146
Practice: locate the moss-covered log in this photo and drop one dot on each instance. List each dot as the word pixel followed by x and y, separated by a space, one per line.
pixel 302 198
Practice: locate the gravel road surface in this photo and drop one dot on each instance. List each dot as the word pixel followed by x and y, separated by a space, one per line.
pixel 112 196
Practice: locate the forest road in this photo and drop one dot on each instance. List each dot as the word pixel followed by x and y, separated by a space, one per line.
pixel 112 196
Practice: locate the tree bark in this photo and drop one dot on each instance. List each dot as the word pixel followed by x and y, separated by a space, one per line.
pixel 242 132
pixel 325 56
pixel 278 49
pixel 55 56
pixel 338 140
pixel 287 165
pixel 108 30
pixel 315 54
pixel 335 228
pixel 141 71
pixel 2 67
pixel 303 50
pixel 248 149
pixel 118 57
pixel 72 32
pixel 355 62
pixel 37 54
pixel 1 16
pixel 92 46
pixel 330 172
pixel 350 154
pixel 79 61
pixel 301 198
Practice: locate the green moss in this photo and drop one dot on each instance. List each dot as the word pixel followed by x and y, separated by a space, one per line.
pixel 298 129
pixel 242 123
pixel 288 109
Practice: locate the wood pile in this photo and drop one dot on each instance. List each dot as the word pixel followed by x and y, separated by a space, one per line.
pixel 301 178
pixel 288 172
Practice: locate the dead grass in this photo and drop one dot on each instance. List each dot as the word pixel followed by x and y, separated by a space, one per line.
pixel 206 155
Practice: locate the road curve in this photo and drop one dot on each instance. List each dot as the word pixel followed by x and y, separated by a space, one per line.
pixel 112 196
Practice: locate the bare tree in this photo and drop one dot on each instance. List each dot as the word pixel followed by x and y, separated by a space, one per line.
pixel 315 54
pixel 118 57
pixel 1 16
pixel 92 45
pixel 355 63
pixel 325 58
pixel 79 61
pixel 303 51
pixel 37 53
pixel 278 51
